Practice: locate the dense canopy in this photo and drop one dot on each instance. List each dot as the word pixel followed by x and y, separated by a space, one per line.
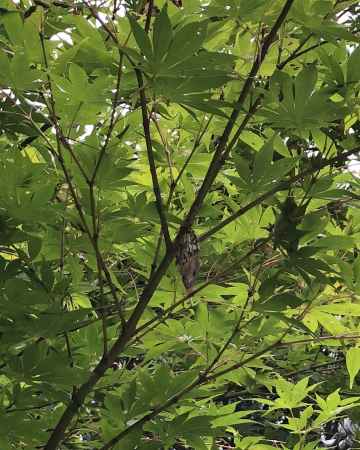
pixel 179 224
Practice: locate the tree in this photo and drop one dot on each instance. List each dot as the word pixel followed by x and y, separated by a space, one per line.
pixel 128 126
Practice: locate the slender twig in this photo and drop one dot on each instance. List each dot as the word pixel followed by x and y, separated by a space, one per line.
pixel 279 187
pixel 31 408
pixel 96 16
pixel 61 268
pixel 146 126
pixel 197 142
pixel 150 5
pixel 68 349
pixel 95 216
pixel 114 11
pixel 315 367
pixel 95 237
pixel 321 338
pixel 295 55
pixel 29 140
pixel 151 159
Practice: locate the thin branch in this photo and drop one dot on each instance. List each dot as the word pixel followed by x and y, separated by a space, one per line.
pixel 31 408
pixel 321 338
pixel 61 268
pixel 298 53
pixel 150 5
pixel 146 127
pixel 197 142
pixel 150 154
pixel 96 16
pixel 279 187
pixel 95 237
pixel 61 140
pixel 29 140
pixel 314 367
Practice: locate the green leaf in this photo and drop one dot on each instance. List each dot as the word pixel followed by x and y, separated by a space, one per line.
pixel 141 38
pixel 202 105
pixel 352 75
pixel 202 317
pixel 5 71
pixel 162 34
pixel 333 65
pixel 263 160
pixel 78 77
pixel 81 300
pixel 335 242
pixel 353 363
pixel 186 42
pixel 34 247
pixel 346 309
pixel 14 28
pixel 252 139
pixel 278 169
pixel 279 302
pixel 304 87
pixel 232 419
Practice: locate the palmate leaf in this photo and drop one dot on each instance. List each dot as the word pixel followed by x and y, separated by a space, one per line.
pixel 187 41
pixel 182 81
pixel 302 106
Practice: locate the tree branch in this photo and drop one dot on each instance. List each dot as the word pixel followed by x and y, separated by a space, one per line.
pixel 150 154
pixel 279 187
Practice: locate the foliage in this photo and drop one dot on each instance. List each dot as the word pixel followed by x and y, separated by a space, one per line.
pixel 123 126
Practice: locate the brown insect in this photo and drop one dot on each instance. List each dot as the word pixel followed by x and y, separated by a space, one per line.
pixel 187 259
